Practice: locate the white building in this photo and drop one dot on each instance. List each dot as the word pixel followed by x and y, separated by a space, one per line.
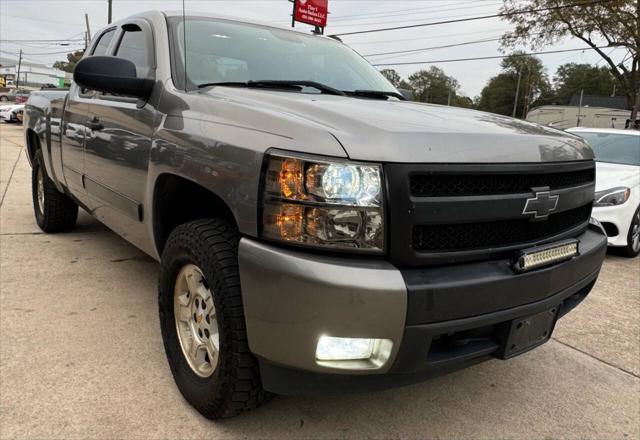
pixel 32 74
pixel 565 116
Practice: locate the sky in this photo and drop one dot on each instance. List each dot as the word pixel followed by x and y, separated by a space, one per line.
pixel 59 19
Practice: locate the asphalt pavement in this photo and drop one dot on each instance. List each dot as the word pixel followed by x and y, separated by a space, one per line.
pixel 81 355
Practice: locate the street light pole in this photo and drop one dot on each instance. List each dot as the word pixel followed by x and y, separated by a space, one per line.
pixel 110 10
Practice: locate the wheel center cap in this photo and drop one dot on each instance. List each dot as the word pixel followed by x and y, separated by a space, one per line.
pixel 198 312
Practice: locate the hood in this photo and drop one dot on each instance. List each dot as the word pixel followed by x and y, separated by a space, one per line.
pixel 611 175
pixel 401 131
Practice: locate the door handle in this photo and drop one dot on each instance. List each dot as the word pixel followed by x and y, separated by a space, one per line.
pixel 94 124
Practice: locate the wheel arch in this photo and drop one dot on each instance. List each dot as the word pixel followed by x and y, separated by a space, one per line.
pixel 32 143
pixel 178 200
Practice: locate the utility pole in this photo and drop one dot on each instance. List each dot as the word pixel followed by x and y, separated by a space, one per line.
pixel 613 94
pixel 635 110
pixel 86 19
pixel 515 101
pixel 449 98
pixel 109 11
pixel 580 108
pixel 528 93
pixel 19 67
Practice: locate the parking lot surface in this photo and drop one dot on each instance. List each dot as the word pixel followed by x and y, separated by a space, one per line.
pixel 81 354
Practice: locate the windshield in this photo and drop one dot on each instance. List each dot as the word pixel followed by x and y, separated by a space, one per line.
pixel 615 148
pixel 226 51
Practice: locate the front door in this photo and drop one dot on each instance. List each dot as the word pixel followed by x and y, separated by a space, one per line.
pixel 118 145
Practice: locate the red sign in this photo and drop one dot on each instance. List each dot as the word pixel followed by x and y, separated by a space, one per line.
pixel 312 12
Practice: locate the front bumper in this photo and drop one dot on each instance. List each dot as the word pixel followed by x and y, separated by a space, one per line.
pixel 439 319
pixel 620 217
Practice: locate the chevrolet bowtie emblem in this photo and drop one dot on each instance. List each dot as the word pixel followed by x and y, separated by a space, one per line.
pixel 541 205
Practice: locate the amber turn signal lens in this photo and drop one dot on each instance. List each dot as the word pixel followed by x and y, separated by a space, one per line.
pixel 291 178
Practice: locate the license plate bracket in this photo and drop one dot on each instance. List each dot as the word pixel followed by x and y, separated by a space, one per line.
pixel 529 332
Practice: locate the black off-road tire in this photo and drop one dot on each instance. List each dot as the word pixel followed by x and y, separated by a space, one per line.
pixel 235 385
pixel 59 212
pixel 631 250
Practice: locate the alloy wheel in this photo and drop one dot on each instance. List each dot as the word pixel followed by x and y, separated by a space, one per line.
pixel 196 321
pixel 635 232
pixel 40 191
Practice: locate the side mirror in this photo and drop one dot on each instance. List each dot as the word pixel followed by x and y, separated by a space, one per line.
pixel 111 75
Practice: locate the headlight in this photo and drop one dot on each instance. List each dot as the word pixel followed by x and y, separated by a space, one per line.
pixel 327 203
pixel 612 197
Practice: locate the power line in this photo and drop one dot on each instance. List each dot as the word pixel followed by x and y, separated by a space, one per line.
pixel 42 45
pixel 482 17
pixel 423 11
pixel 423 49
pixel 42 19
pixel 446 46
pixel 61 40
pixel 434 37
pixel 398 11
pixel 50 53
pixel 489 57
pixel 413 19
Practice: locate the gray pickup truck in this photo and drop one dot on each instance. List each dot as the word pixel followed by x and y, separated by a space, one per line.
pixel 316 231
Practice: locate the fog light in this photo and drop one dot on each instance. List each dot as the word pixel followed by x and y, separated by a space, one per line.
pixel 353 353
pixel 344 349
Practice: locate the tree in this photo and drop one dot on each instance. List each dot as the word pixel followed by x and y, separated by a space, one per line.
pixel 397 81
pixel 499 95
pixel 571 78
pixel 462 101
pixel 393 76
pixel 72 59
pixel 433 86
pixel 403 85
pixel 615 21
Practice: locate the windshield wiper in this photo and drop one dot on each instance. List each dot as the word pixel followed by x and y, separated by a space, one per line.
pixel 379 94
pixel 279 84
pixel 225 84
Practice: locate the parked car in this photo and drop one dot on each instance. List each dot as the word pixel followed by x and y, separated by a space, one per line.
pixel 19 96
pixel 9 113
pixel 22 96
pixel 617 201
pixel 316 232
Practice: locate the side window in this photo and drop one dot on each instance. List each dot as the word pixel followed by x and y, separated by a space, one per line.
pixel 99 49
pixel 103 43
pixel 133 47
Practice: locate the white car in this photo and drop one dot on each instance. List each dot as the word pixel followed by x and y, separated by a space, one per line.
pixel 9 113
pixel 617 201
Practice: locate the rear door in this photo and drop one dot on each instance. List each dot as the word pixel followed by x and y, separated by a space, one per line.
pixel 74 122
pixel 118 145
